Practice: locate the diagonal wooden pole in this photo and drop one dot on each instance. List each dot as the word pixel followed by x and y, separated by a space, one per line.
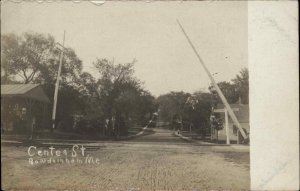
pixel 227 106
pixel 57 83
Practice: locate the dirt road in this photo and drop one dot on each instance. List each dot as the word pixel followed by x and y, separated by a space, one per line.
pixel 158 160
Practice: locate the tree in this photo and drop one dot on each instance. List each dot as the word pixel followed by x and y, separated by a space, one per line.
pixel 8 44
pixel 33 58
pixel 241 83
pixel 237 88
pixel 229 91
pixel 146 107
pixel 187 109
pixel 24 55
pixel 171 107
pixel 198 111
pixel 119 93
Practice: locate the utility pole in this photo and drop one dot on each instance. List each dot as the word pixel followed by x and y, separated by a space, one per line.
pixel 227 106
pixel 57 82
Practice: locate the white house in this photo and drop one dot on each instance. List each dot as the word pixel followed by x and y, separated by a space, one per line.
pixel 242 113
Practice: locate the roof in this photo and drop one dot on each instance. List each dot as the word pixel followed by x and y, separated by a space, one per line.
pixel 30 91
pixel 17 89
pixel 242 113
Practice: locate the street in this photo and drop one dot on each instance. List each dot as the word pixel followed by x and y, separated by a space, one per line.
pixel 156 160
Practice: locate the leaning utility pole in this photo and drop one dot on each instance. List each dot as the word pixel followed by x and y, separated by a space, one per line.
pixel 227 106
pixel 57 82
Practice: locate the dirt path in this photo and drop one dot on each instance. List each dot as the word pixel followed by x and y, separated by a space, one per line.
pixel 156 161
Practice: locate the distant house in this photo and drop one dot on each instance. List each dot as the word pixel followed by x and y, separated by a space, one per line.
pixel 242 113
pixel 23 108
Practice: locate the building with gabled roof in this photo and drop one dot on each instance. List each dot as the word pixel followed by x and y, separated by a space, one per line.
pixel 241 112
pixel 23 108
pixel 26 91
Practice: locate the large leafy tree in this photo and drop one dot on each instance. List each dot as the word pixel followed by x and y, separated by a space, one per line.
pixel 229 91
pixel 147 105
pixel 120 94
pixel 33 58
pixel 198 111
pixel 241 83
pixel 171 106
pixel 114 80
pixel 237 89
pixel 188 109
pixel 23 56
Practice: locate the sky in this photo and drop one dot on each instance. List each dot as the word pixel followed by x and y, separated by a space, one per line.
pixel 147 32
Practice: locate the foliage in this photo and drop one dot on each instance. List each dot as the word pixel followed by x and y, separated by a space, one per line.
pixel 33 58
pixel 198 111
pixel 120 95
pixel 237 89
pixel 116 95
pixel 24 55
pixel 186 109
pixel 171 105
pixel 229 91
pixel 241 83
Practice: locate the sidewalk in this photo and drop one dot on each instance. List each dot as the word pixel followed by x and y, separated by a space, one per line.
pixel 16 140
pixel 195 138
pixel 192 137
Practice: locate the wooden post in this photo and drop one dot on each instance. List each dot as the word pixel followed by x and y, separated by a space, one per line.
pixel 29 118
pixel 238 137
pixel 227 128
pixel 57 83
pixel 211 133
pixel 181 123
pixel 44 116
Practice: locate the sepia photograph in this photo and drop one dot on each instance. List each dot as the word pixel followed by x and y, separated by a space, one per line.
pixel 125 95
